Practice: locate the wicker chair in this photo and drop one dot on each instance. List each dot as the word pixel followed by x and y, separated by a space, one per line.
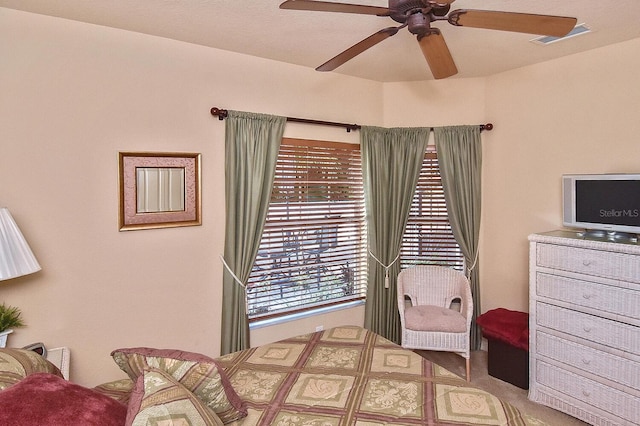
pixel 439 318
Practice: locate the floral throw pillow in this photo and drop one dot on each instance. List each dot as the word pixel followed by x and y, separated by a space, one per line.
pixel 158 398
pixel 198 373
pixel 16 364
pixel 120 390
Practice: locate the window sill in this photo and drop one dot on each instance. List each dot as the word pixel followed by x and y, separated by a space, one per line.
pixel 293 317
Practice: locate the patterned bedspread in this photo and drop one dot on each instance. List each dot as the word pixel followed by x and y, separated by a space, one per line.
pixel 351 376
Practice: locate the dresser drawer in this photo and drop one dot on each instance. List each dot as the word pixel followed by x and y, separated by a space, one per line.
pixel 595 394
pixel 609 366
pixel 599 330
pixel 603 297
pixel 618 266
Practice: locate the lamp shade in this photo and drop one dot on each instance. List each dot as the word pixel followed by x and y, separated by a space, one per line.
pixel 16 258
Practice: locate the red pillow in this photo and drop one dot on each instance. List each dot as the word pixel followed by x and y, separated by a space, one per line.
pixel 46 399
pixel 508 326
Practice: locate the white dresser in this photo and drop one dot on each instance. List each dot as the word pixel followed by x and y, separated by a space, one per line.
pixel 584 324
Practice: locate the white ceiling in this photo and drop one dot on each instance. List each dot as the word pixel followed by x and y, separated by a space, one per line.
pixel 260 28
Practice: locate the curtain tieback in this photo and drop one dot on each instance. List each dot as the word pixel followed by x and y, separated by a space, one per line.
pixel 386 267
pixel 475 261
pixel 236 279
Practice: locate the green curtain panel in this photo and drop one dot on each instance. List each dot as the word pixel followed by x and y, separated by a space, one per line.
pixel 391 163
pixel 460 158
pixel 252 142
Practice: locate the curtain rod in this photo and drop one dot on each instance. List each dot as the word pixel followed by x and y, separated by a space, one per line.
pixel 222 114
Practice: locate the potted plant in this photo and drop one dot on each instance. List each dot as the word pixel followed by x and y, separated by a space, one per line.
pixel 10 317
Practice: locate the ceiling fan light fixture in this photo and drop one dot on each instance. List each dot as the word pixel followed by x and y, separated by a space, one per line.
pixel 418 23
pixel 579 29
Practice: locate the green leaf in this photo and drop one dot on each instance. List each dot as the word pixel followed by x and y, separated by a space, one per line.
pixel 10 317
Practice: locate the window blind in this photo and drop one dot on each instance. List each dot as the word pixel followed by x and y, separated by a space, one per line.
pixel 428 239
pixel 313 251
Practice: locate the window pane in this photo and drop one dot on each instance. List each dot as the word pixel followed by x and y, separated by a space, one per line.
pixel 428 239
pixel 312 251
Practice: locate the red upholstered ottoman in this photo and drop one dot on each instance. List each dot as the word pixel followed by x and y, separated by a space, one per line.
pixel 507 333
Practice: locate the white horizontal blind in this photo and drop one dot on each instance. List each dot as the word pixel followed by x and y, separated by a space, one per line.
pixel 312 251
pixel 428 239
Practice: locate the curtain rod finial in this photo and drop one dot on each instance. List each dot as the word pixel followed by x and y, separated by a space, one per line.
pixel 488 126
pixel 220 113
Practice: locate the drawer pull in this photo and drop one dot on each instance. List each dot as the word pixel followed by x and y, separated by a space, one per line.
pixel 587 329
pixel 586 262
pixel 586 361
pixel 586 393
pixel 586 296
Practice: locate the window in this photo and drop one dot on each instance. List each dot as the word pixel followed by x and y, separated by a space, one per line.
pixel 313 250
pixel 428 239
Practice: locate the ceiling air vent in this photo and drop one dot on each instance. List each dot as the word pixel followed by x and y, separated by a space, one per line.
pixel 577 30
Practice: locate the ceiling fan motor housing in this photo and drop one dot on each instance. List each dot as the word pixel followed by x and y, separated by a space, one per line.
pixel 417 14
pixel 402 9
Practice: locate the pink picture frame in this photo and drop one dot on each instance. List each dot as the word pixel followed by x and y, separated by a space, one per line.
pixel 187 190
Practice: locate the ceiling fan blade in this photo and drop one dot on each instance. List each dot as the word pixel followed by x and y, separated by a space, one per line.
pixel 358 48
pixel 321 6
pixel 548 25
pixel 437 54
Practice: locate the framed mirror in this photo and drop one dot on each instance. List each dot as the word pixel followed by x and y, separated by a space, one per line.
pixel 159 190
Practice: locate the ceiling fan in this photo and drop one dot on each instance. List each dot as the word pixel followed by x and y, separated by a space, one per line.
pixel 417 16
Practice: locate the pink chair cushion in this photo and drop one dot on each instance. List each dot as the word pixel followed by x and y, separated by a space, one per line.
pixel 434 318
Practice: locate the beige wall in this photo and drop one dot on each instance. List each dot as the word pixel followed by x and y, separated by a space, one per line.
pixel 580 114
pixel 435 103
pixel 73 95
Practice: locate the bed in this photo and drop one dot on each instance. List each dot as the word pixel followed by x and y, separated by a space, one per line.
pixel 341 376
